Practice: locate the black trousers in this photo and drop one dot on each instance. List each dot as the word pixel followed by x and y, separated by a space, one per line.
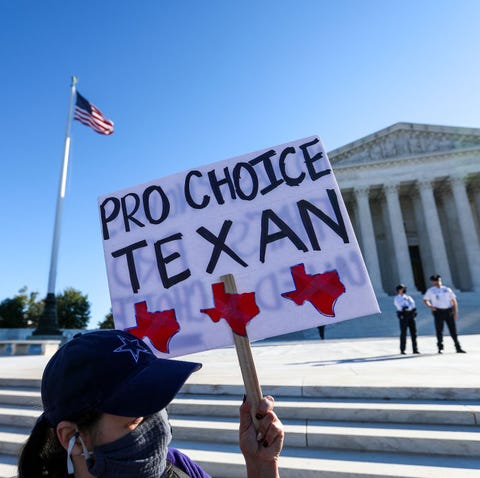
pixel 321 331
pixel 406 320
pixel 441 316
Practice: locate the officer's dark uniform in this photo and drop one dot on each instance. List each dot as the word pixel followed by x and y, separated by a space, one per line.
pixel 441 300
pixel 406 313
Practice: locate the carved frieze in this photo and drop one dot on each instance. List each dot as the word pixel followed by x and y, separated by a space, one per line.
pixel 405 140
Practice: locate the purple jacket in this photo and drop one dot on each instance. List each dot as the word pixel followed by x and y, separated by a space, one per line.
pixel 177 458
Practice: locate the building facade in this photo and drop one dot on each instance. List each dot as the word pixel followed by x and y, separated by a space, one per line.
pixel 413 194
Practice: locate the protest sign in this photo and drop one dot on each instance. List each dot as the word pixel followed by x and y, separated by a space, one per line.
pixel 275 219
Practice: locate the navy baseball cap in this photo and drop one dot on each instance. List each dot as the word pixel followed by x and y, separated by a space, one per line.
pixel 435 277
pixel 109 371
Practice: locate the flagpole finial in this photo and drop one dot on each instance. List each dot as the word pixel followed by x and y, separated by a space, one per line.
pixel 74 80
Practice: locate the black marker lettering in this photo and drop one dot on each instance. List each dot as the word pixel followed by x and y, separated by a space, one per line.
pixel 288 179
pixel 237 171
pixel 219 245
pixel 309 160
pixel 111 216
pixel 215 184
pixel 265 158
pixel 128 216
pixel 162 261
pixel 128 251
pixel 146 204
pixel 285 232
pixel 305 208
pixel 188 195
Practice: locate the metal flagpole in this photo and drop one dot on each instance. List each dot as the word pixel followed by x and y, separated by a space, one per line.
pixel 48 323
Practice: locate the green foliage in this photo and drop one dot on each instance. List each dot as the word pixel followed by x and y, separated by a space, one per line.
pixel 11 313
pixel 22 310
pixel 73 309
pixel 107 322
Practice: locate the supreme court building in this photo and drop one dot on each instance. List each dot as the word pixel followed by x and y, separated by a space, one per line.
pixel 413 194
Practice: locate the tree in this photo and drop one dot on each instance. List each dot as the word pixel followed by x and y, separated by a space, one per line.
pixel 11 313
pixel 107 322
pixel 33 307
pixel 73 309
pixel 22 310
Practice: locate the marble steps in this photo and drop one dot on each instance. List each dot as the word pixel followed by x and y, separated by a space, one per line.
pixel 334 437
pixel 401 438
pixel 446 412
pixel 8 466
pixel 341 392
pixel 21 383
pixel 12 439
pixel 22 409
pixel 224 461
pixel 30 386
pixel 456 440
pixel 20 396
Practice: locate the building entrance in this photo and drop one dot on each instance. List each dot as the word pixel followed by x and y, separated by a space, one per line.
pixel 417 268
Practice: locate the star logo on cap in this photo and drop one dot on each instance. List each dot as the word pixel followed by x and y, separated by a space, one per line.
pixel 133 346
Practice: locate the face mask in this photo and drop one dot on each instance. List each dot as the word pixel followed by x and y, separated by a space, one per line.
pixel 141 453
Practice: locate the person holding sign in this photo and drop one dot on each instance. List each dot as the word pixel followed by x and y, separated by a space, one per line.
pixel 104 395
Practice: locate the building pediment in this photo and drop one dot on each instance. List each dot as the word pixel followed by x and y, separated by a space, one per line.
pixel 405 140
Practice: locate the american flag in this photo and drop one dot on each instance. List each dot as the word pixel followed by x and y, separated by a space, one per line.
pixel 91 116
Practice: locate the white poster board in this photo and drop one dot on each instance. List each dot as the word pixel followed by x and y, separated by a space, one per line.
pixel 275 219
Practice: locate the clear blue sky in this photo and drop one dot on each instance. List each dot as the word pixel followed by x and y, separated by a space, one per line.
pixel 191 82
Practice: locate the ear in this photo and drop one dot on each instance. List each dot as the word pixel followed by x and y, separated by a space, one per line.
pixel 65 431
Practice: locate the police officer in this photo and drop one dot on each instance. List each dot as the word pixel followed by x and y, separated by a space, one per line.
pixel 443 303
pixel 406 313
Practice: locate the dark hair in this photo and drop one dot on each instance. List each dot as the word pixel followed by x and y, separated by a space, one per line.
pixel 43 455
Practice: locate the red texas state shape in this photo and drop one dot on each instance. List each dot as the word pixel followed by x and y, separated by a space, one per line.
pixel 159 327
pixel 321 290
pixel 236 309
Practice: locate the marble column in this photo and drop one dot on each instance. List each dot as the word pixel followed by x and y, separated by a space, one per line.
pixel 435 235
pixel 369 244
pixel 476 202
pixel 399 237
pixel 467 228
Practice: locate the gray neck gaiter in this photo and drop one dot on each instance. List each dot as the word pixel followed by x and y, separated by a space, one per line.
pixel 141 453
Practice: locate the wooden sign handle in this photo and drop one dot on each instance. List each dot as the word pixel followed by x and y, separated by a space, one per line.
pixel 245 357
